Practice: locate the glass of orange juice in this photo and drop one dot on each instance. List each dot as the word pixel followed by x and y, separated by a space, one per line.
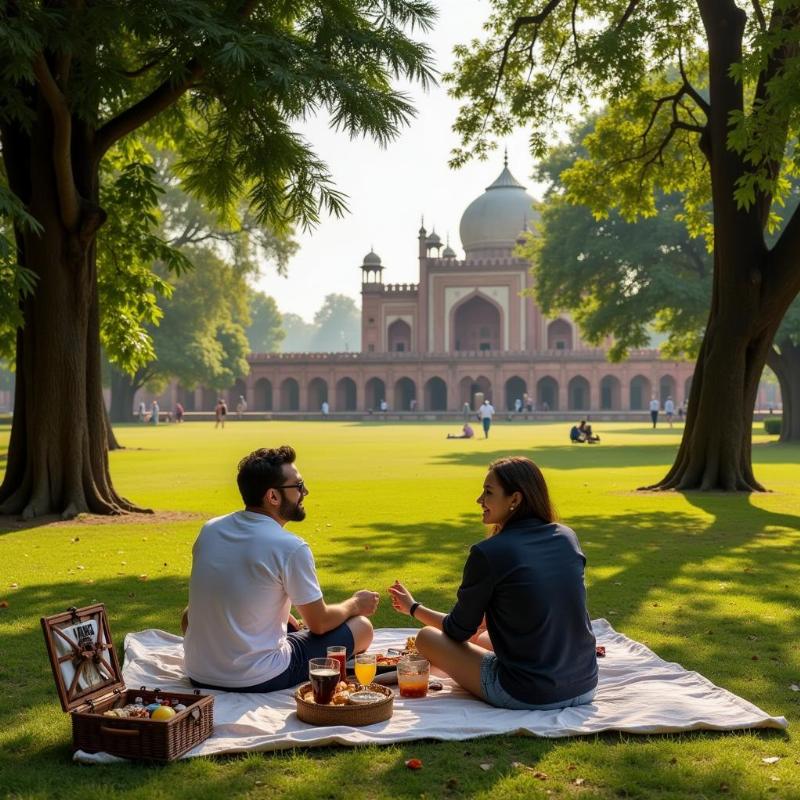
pixel 365 667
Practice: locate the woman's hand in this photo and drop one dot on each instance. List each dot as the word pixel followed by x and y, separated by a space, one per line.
pixel 402 599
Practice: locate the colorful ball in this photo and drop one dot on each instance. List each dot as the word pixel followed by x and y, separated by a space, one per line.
pixel 163 713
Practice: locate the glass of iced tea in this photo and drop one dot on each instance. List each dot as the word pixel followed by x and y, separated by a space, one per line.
pixel 412 676
pixel 340 654
pixel 324 676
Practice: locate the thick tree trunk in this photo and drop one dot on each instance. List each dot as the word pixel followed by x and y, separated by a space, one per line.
pixel 715 452
pixel 58 452
pixel 785 363
pixel 123 389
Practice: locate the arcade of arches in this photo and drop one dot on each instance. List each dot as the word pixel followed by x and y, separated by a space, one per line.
pixel 548 391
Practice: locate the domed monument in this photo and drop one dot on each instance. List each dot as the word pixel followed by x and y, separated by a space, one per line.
pixel 468 329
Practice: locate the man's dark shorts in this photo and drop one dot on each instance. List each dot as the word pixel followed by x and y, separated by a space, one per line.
pixel 304 645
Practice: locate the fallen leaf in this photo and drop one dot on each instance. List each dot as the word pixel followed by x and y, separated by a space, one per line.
pixel 754 658
pixel 752 638
pixel 673 760
pixel 14 585
pixel 259 783
pixel 3 603
pixel 452 783
pixel 723 787
pixel 571 767
pixel 579 781
pixel 414 763
pixel 143 577
pixel 542 776
pixel 485 767
pixel 794 687
pixel 771 760
pixel 80 566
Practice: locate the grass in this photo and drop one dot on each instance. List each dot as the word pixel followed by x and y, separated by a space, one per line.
pixel 708 580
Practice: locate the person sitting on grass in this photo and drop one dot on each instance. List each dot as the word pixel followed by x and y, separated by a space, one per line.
pixel 575 435
pixel 586 430
pixel 247 572
pixel 519 635
pixel 467 432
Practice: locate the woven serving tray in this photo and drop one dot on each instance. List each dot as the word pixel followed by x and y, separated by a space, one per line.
pixel 353 715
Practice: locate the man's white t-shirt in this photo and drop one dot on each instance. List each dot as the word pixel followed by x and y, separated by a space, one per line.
pixel 486 411
pixel 247 571
pixel 669 407
pixel 654 405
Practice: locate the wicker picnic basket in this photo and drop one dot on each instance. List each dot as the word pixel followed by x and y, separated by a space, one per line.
pixel 89 682
pixel 353 715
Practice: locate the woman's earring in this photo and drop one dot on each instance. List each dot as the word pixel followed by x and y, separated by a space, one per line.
pixel 511 508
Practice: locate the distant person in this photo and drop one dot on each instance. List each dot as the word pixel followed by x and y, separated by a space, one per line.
pixel 241 407
pixel 179 411
pixel 575 435
pixel 220 412
pixel 586 429
pixel 325 408
pixel 545 406
pixel 384 406
pixel 655 407
pixel 682 410
pixel 467 432
pixel 518 405
pixel 412 404
pixel 669 410
pixel 486 412
pixel 154 412
pixel 466 411
pixel 142 412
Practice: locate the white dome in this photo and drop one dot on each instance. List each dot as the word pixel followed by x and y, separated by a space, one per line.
pixel 495 220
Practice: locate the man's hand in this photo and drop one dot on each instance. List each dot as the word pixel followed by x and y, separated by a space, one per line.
pixel 366 602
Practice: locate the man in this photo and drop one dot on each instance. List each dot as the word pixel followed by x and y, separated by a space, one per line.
pixel 241 407
pixel 486 412
pixel 669 409
pixel 655 407
pixel 325 408
pixel 247 572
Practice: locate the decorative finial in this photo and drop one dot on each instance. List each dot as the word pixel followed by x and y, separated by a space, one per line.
pixel 505 157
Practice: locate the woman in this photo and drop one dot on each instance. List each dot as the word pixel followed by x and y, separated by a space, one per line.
pixel 519 634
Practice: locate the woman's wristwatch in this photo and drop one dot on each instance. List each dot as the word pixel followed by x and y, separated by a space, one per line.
pixel 412 609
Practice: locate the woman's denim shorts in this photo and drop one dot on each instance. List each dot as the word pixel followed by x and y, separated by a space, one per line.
pixel 496 695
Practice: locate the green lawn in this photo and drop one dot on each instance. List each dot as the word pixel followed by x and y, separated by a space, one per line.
pixel 710 581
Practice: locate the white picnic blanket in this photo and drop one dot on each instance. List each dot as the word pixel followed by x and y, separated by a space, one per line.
pixel 638 692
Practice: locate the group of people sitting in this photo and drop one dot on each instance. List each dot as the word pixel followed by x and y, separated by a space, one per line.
pixel 582 433
pixel 518 635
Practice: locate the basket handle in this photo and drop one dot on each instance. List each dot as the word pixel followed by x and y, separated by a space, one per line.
pixel 120 731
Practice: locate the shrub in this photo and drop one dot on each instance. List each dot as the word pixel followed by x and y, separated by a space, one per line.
pixel 772 425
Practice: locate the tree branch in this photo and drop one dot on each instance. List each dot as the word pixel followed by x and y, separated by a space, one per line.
pixel 759 12
pixel 627 14
pixel 68 198
pixel 148 107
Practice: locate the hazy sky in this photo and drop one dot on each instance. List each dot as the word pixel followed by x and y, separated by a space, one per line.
pixel 390 189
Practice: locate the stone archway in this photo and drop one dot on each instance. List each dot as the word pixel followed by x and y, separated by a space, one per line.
pixel 239 389
pixel 346 395
pixel 579 397
pixel 640 393
pixel 666 388
pixel 610 394
pixel 317 394
pixel 476 325
pixel 436 395
pixel 399 336
pixel 263 395
pixel 374 392
pixel 290 395
pixel 516 389
pixel 405 390
pixel 547 394
pixel 559 335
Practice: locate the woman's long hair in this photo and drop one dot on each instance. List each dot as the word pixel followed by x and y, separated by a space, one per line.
pixel 520 474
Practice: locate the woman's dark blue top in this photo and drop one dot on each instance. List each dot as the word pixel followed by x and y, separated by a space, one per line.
pixel 528 581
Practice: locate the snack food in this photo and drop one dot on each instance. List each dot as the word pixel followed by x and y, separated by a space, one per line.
pixel 411 644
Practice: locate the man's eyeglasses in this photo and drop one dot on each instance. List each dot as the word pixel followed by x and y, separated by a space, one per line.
pixel 300 486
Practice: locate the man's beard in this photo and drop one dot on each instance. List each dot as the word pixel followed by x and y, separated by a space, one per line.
pixel 290 511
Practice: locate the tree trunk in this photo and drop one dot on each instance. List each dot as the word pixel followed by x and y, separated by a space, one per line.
pixel 715 452
pixel 58 452
pixel 785 363
pixel 123 389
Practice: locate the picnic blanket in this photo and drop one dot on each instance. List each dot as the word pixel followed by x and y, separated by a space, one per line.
pixel 638 692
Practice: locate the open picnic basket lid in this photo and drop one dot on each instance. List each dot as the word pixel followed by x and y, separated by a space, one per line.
pixel 85 666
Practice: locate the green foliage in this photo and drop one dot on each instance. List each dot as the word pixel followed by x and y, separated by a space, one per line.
pixel 265 331
pixel 338 323
pixel 299 334
pixel 772 425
